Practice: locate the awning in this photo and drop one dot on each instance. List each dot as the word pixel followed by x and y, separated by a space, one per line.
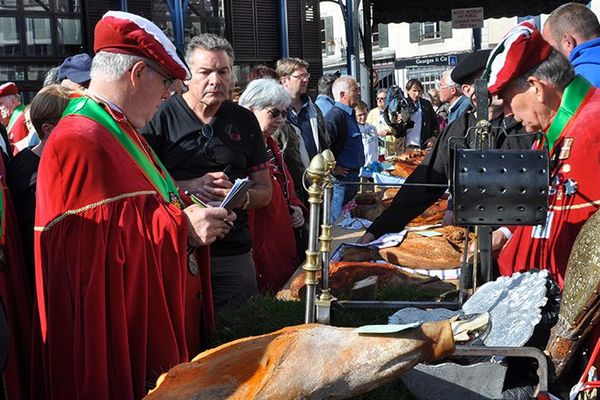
pixel 387 11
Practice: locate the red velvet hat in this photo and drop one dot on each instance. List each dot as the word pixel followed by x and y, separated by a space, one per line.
pixel 8 88
pixel 519 51
pixel 121 32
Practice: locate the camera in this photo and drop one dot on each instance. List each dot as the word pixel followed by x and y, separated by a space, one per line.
pixel 396 104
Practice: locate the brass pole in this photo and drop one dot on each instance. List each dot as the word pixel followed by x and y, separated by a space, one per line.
pixel 326 236
pixel 316 172
pixel 323 303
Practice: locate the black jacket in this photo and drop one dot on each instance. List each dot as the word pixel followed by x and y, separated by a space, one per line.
pixel 436 168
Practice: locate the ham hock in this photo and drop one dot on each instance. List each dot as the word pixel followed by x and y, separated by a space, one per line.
pixel 304 362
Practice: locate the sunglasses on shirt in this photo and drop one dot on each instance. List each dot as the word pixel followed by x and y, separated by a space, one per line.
pixel 276 113
pixel 208 148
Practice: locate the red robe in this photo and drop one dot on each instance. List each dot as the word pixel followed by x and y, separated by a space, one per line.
pixel 111 268
pixel 273 238
pixel 578 153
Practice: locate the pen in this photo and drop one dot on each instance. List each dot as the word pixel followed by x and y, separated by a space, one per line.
pixel 202 204
pixel 227 170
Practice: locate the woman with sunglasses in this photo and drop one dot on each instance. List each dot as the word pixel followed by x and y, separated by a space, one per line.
pixel 272 227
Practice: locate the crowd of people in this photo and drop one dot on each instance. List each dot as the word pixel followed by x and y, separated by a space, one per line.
pixel 116 252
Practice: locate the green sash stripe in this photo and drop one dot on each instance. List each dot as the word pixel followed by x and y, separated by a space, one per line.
pixel 573 98
pixel 89 108
pixel 13 118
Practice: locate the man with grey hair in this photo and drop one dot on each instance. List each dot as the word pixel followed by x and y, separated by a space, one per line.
pixel 450 93
pixel 115 294
pixel 538 85
pixel 206 142
pixel 574 31
pixel 345 134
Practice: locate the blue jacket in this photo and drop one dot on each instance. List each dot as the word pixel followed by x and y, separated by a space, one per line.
pixel 586 60
pixel 458 108
pixel 325 103
pixel 346 139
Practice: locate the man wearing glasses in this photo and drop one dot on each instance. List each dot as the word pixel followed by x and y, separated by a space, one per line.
pixel 305 133
pixel 114 290
pixel 375 118
pixel 206 142
pixel 451 93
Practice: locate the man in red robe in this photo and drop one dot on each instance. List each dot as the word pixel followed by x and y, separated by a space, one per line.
pixel 12 112
pixel 112 235
pixel 539 86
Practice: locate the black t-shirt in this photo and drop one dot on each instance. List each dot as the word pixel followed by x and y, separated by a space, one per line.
pixel 175 134
pixel 21 179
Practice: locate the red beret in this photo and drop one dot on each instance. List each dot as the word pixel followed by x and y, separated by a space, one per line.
pixel 519 51
pixel 121 32
pixel 8 88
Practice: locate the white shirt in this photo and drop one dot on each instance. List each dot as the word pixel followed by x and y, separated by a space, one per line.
pixel 370 144
pixel 413 135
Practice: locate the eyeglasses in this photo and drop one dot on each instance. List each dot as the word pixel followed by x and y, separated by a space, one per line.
pixel 301 76
pixel 276 113
pixel 167 81
pixel 381 98
pixel 208 147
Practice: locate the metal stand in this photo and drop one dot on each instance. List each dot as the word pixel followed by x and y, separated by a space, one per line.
pixel 325 299
pixel 316 172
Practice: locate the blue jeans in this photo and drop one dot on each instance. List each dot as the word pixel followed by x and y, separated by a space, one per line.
pixel 343 194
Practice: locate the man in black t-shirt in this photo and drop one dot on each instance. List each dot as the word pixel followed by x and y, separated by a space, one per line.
pixel 206 142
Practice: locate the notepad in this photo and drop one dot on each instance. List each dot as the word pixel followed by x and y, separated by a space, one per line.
pixel 237 193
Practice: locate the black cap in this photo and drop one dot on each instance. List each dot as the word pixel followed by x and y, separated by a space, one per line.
pixel 471 64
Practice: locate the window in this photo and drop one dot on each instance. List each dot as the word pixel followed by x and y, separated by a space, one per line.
pixel 327 40
pixel 427 75
pixel 9 37
pixel 12 73
pixel 67 6
pixel 8 4
pixel 36 5
pixel 380 36
pixel 69 36
pixel 430 31
pixel 203 17
pixel 38 72
pixel 38 36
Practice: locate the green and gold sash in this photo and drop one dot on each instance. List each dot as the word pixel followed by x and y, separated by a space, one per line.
pixel 574 97
pixel 161 180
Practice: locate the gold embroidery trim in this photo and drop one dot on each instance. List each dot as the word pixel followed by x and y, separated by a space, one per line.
pixel 89 207
pixel 576 206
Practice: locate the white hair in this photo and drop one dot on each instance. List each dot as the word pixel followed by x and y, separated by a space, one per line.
pixel 449 82
pixel 341 84
pixel 110 67
pixel 265 93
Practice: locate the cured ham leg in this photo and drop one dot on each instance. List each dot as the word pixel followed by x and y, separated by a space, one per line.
pixel 304 362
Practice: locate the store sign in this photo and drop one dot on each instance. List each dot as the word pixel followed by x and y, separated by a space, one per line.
pixel 437 60
pixel 440 60
pixel 467 18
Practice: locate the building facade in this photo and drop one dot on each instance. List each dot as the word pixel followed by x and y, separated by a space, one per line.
pixel 412 50
pixel 36 35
